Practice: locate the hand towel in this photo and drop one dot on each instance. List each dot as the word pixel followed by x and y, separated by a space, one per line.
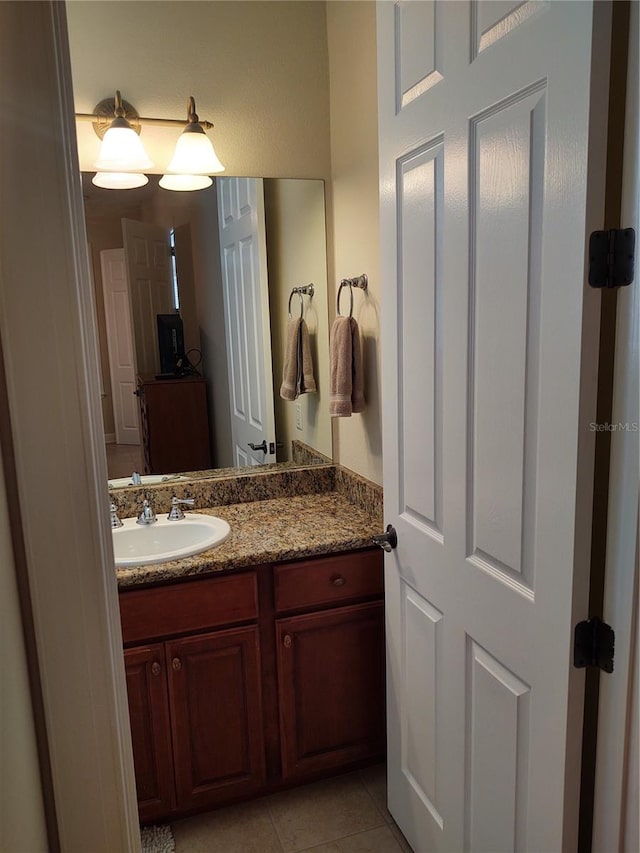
pixel 346 391
pixel 308 380
pixel 297 370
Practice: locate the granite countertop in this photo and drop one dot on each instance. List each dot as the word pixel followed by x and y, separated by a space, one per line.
pixel 267 531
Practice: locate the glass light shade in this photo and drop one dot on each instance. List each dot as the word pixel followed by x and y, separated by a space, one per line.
pixel 119 180
pixel 194 154
pixel 122 151
pixel 185 183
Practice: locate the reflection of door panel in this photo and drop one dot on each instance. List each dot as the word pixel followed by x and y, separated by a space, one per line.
pixel 186 283
pixel 148 267
pixel 484 164
pixel 120 342
pixel 246 300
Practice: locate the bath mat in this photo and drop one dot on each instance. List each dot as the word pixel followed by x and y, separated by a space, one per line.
pixel 157 839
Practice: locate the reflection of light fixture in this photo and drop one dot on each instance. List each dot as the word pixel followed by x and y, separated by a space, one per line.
pixel 119 180
pixel 194 158
pixel 121 149
pixel 122 157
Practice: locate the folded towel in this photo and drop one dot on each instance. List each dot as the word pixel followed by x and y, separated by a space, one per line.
pixel 297 370
pixel 346 391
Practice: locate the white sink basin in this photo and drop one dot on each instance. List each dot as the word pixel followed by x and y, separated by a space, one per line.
pixel 139 544
pixel 145 480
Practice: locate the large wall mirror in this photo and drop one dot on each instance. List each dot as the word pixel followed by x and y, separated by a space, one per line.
pixel 226 260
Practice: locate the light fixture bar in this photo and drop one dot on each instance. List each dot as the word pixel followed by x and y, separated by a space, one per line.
pixel 167 122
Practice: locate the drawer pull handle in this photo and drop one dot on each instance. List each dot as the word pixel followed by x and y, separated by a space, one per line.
pixel 287 641
pixel 155 668
pixel 176 663
pixel 338 580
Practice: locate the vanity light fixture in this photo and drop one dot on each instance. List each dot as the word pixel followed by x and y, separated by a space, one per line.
pixel 194 158
pixel 122 158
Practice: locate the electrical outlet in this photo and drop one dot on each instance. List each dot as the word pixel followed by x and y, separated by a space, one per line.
pixel 298 415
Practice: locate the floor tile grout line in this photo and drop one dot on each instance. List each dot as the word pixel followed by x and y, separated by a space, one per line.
pixel 373 799
pixel 357 775
pixel 275 828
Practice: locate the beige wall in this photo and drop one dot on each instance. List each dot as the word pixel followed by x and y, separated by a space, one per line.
pixel 22 823
pixel 258 70
pixel 354 212
pixel 304 105
pixel 297 255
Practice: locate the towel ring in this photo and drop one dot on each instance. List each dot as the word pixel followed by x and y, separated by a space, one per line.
pixel 291 295
pixel 308 289
pixel 360 281
pixel 345 283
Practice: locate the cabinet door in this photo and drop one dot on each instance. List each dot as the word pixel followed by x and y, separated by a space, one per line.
pixel 216 716
pixel 331 688
pixel 150 732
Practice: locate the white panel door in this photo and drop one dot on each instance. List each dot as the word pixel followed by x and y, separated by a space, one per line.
pixel 148 266
pixel 484 112
pixel 243 260
pixel 122 366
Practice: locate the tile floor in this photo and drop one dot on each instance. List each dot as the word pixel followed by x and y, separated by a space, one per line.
pixel 124 459
pixel 346 814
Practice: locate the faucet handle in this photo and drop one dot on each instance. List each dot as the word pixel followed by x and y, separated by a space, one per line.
pixel 147 516
pixel 136 479
pixel 115 521
pixel 175 514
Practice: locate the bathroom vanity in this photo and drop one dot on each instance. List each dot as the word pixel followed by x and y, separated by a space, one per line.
pixel 259 664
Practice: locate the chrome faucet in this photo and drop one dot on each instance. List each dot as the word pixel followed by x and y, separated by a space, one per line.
pixel 147 516
pixel 176 513
pixel 136 479
pixel 115 521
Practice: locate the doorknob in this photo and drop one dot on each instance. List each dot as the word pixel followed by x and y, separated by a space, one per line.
pixel 262 447
pixel 387 540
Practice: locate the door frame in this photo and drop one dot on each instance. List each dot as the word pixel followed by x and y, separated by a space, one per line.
pixel 59 509
pixel 621 579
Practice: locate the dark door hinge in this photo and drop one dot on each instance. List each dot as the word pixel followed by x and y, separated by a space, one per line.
pixel 593 645
pixel 611 257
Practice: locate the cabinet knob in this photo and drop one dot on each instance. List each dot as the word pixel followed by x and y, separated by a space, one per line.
pixel 338 580
pixel 287 641
pixel 155 668
pixel 176 663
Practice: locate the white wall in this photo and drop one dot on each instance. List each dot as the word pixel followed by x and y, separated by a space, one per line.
pixel 354 213
pixel 22 823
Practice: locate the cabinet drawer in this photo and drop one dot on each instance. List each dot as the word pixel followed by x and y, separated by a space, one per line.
pixel 328 580
pixel 191 606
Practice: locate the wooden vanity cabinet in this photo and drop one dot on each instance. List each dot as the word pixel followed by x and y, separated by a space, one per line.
pixel 216 716
pixel 194 701
pixel 331 670
pixel 146 676
pixel 229 699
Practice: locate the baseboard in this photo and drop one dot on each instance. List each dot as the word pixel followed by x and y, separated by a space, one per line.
pixel 110 438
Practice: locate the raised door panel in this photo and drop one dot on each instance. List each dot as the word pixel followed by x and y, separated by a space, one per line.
pixel 216 708
pixel 331 688
pixel 150 733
